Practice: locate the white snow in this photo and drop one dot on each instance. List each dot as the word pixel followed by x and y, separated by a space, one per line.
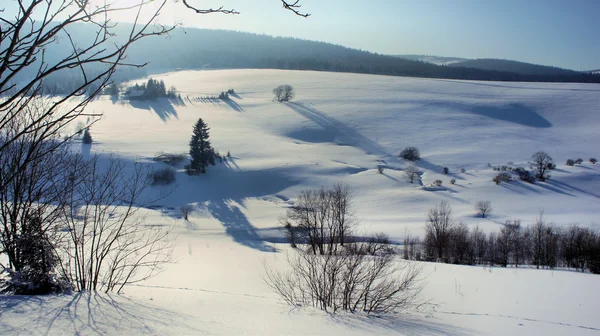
pixel 340 128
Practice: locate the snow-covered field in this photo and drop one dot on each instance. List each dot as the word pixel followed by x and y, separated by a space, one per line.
pixel 340 128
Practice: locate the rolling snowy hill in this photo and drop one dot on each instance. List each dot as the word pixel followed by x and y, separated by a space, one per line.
pixel 341 128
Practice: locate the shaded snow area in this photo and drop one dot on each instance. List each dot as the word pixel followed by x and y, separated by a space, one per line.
pixel 341 128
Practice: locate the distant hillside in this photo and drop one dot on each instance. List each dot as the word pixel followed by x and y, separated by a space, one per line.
pixel 192 48
pixel 514 66
pixel 438 60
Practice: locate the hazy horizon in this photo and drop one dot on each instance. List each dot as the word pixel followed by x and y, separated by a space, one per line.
pixel 549 32
pixel 546 32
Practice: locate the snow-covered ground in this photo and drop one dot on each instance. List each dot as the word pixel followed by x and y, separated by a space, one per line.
pixel 340 128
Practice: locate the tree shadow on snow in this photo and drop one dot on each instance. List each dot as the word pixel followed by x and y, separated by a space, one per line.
pixel 222 192
pixel 403 324
pixel 332 126
pixel 515 113
pixel 86 314
pixel 163 107
pixel 237 225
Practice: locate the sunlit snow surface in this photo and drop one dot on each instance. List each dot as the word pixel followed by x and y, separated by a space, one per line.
pixel 340 128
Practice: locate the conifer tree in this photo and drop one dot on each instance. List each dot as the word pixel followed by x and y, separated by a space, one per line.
pixel 201 150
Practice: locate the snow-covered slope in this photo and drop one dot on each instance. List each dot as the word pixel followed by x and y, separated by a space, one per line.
pixel 340 128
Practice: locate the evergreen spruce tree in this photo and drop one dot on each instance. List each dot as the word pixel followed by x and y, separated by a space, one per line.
pixel 87 137
pixel 201 151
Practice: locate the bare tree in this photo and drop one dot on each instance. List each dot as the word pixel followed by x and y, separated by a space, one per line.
pixel 30 204
pixel 411 172
pixel 507 243
pixel 284 93
pixel 539 163
pixel 483 208
pixel 437 230
pixel 107 244
pixel 460 246
pixel 186 210
pixel 321 218
pixel 479 244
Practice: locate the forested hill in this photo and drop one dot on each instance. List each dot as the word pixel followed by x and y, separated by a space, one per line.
pixel 514 66
pixel 200 48
pixel 191 48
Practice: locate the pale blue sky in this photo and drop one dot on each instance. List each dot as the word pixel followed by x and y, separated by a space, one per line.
pixel 563 33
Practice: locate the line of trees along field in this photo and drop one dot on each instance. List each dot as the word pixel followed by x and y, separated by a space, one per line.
pixel 542 244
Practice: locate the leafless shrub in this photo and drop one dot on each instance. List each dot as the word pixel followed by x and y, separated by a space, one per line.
pixel 410 154
pixel 171 159
pixel 438 231
pixel 186 210
pixel 503 177
pixel 322 218
pixel 107 244
pixel 410 247
pixel 483 208
pixel 348 282
pixel 411 172
pixel 163 176
pixel 376 244
pixel 284 93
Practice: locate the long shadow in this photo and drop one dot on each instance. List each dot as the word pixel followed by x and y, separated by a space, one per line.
pixel 237 96
pixel 234 105
pixel 237 225
pixel 222 191
pixel 163 107
pixel 333 126
pixel 410 327
pixel 545 185
pixel 569 187
pixel 515 113
pixel 86 314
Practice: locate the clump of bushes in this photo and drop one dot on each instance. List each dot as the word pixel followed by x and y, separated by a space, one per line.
pixel 593 160
pixel 462 170
pixel 570 162
pixel 446 170
pixel 502 177
pixel 437 183
pixel 527 176
pixel 579 161
pixel 163 176
pixel 224 96
pixel 452 181
pixel 380 170
pixel 170 158
pixel 410 154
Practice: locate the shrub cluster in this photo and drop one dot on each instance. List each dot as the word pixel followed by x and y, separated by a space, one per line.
pixel 163 176
pixel 171 159
pixel 410 154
